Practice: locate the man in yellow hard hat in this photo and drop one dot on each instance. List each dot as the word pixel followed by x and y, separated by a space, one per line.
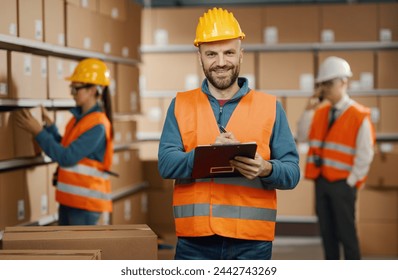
pixel 226 217
pixel 341 140
pixel 84 153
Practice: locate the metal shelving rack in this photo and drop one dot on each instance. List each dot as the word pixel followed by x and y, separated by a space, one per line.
pixel 286 47
pixel 12 43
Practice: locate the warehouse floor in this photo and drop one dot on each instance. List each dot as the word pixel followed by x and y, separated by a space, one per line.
pixel 306 248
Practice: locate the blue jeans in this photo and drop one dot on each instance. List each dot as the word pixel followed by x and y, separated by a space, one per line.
pixel 69 216
pixel 216 247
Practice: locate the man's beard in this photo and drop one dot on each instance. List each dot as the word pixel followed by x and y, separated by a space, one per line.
pixel 222 83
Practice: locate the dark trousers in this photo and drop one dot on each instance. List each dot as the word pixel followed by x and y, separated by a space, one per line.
pixel 69 216
pixel 216 247
pixel 335 207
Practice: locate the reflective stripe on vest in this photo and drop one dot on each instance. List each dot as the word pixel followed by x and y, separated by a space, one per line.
pixel 225 211
pixel 86 170
pixel 86 185
pixel 81 191
pixel 336 149
pixel 234 206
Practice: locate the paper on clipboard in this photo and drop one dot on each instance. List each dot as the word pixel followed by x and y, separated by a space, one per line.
pixel 213 160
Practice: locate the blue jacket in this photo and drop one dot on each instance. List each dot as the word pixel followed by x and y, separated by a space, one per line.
pixel 91 144
pixel 175 163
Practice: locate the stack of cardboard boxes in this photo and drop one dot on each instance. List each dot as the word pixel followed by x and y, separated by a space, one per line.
pixel 58 33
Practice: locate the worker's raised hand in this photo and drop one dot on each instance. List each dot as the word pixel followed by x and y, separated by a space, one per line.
pixel 26 121
pixel 46 116
pixel 315 101
pixel 252 168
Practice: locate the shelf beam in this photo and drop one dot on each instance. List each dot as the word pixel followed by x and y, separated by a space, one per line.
pixel 285 47
pixel 41 48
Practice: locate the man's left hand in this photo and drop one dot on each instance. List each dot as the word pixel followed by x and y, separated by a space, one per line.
pixel 252 168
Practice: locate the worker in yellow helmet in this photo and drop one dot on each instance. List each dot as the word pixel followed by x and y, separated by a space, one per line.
pixel 224 217
pixel 84 153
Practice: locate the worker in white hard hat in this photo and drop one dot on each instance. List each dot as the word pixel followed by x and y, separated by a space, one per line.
pixel 341 139
pixel 226 215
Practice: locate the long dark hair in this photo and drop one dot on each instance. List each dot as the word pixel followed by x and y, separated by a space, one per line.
pixel 107 106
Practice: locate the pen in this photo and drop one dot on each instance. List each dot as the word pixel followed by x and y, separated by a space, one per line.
pixel 223 130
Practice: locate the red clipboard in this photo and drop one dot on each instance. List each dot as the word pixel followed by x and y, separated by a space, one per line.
pixel 213 160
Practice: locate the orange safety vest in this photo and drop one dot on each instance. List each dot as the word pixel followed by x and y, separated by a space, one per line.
pixel 233 207
pixel 337 146
pixel 86 185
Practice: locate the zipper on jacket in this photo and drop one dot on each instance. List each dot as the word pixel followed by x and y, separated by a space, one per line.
pixel 219 115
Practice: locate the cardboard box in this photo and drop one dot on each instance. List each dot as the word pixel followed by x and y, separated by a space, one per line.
pixel 91 5
pixel 362 65
pixel 52 204
pixel 286 70
pixel 160 205
pixel 388 114
pixel 54 22
pixel 148 150
pixel 387 63
pixel 126 163
pixel 4 74
pixel 37 192
pixel 152 117
pixel 121 242
pixel 50 254
pixel 28 76
pixel 30 19
pixel 115 9
pixel 185 74
pixel 125 132
pixel 132 209
pixel 378 239
pixel 175 25
pixel 148 23
pixel 127 96
pixel 13 199
pixel 6 137
pixel 24 143
pixel 81 29
pixel 382 172
pixel 8 18
pixel 132 37
pixel 346 23
pixel 152 176
pixel 384 205
pixel 291 24
pixel 58 70
pixel 387 22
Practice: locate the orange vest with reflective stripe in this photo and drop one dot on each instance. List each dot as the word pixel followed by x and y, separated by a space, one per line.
pixel 233 207
pixel 337 146
pixel 86 185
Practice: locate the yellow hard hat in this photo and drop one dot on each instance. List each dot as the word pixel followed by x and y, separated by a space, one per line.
pixel 216 25
pixel 91 71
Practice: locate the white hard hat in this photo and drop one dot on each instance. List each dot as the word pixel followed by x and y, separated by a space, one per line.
pixel 333 67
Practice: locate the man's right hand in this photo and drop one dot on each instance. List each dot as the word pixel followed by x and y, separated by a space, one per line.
pixel 226 138
pixel 314 101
